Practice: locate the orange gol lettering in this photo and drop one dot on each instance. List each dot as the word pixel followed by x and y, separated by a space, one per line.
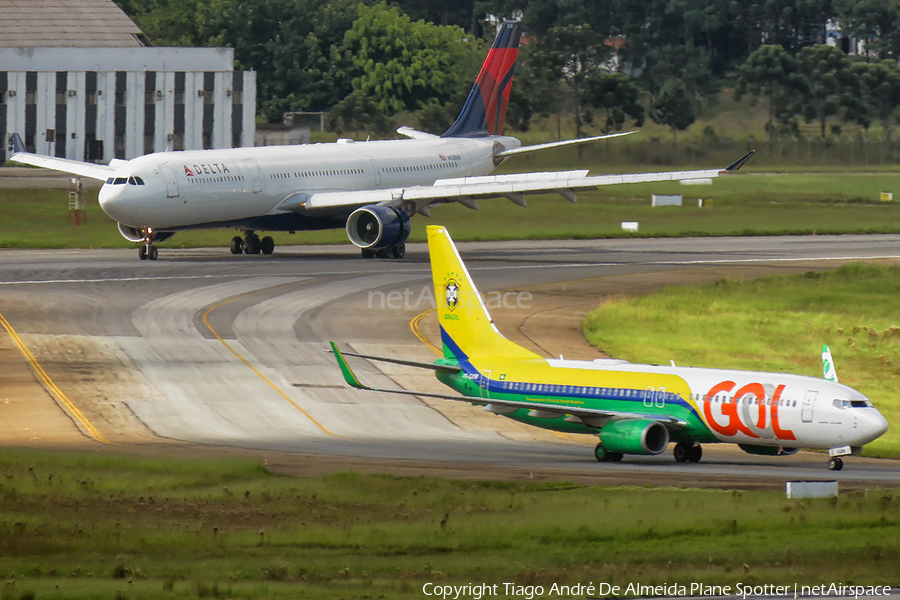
pixel 730 410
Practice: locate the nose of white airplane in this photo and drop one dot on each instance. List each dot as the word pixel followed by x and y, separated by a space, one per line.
pixel 873 424
pixel 110 197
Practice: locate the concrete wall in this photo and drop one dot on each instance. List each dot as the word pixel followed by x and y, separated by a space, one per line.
pixel 94 104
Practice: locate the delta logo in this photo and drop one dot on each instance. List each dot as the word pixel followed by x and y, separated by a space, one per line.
pixel 205 169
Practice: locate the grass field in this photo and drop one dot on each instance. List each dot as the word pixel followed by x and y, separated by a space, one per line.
pixel 744 204
pixel 772 324
pixel 92 526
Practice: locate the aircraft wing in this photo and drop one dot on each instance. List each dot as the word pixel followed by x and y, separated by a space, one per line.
pixel 83 169
pixel 498 405
pixel 466 190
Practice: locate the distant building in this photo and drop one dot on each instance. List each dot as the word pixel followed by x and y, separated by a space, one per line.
pixel 79 80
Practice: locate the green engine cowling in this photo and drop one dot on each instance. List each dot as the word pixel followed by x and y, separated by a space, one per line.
pixel 634 436
pixel 768 450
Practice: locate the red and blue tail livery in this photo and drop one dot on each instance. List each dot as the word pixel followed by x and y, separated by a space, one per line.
pixel 485 110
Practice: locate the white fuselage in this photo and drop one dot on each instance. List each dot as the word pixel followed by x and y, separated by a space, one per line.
pixel 751 407
pixel 201 188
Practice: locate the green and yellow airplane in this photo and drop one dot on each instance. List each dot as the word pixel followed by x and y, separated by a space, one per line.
pixel 633 408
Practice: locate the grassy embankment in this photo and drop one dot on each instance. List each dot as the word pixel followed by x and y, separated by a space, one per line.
pixel 772 324
pixel 744 204
pixel 91 526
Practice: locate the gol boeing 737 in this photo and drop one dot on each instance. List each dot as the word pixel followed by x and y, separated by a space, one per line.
pixel 370 188
pixel 634 409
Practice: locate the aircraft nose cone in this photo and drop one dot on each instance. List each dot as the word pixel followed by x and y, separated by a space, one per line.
pixel 109 197
pixel 874 425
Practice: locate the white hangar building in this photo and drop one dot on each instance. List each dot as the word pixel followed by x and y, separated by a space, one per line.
pixel 79 80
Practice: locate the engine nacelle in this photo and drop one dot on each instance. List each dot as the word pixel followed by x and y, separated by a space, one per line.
pixel 133 234
pixel 634 436
pixel 768 450
pixel 373 227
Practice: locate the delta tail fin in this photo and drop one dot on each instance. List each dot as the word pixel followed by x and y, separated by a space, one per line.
pixel 485 110
pixel 467 329
pixel 828 371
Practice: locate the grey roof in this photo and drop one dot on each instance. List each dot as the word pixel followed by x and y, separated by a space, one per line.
pixel 66 23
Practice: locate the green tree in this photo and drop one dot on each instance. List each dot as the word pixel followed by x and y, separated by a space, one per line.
pixel 570 54
pixel 357 112
pixel 880 97
pixel 291 44
pixel 403 65
pixel 827 86
pixel 674 107
pixel 770 73
pixel 876 22
pixel 534 90
pixel 617 96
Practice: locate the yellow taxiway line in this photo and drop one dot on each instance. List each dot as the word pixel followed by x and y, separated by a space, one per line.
pixel 42 375
pixel 254 369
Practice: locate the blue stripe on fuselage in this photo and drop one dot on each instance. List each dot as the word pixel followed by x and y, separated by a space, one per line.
pixel 593 393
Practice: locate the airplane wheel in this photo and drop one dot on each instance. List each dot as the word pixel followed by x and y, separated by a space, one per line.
pixel 142 252
pixel 252 245
pixel 383 253
pixel 267 245
pixel 835 464
pixel 153 254
pixel 600 453
pixel 237 245
pixel 681 451
pixel 398 251
pixel 368 253
pixel 615 456
pixel 695 453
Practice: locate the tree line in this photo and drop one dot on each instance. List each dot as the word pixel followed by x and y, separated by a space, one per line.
pixel 609 63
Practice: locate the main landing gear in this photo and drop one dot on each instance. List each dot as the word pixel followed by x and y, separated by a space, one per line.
pixel 835 464
pixel 688 452
pixel 398 251
pixel 604 455
pixel 252 244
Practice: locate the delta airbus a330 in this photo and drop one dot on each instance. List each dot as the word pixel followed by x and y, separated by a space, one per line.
pixel 634 409
pixel 370 188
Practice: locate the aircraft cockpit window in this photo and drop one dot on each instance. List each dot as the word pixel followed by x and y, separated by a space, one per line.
pixel 131 181
pixel 109 181
pixel 860 403
pixel 120 181
pixel 139 180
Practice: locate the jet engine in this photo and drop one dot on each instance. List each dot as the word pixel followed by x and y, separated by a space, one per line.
pixel 134 234
pixel 634 436
pixel 373 227
pixel 768 450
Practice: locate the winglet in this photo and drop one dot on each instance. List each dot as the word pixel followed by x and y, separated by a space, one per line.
pixel 17 144
pixel 828 371
pixel 739 162
pixel 349 376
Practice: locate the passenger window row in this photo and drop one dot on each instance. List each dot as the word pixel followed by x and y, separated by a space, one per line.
pixel 317 173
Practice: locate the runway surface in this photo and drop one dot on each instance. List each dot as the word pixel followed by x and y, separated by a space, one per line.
pixel 226 350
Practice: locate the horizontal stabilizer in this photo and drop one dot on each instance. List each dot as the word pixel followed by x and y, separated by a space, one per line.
pixel 548 145
pixel 415 133
pixel 405 363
